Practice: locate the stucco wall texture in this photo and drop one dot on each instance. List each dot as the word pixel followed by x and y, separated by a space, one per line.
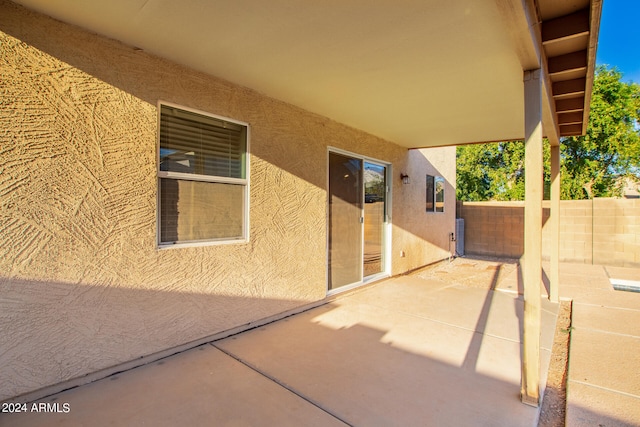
pixel 83 285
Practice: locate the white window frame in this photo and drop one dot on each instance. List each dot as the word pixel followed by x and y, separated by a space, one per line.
pixel 436 179
pixel 245 182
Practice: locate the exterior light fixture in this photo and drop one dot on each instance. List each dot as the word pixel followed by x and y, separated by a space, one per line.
pixel 404 178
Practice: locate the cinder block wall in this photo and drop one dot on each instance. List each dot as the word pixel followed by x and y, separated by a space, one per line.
pixel 616 232
pixel 601 231
pixel 576 237
pixel 493 228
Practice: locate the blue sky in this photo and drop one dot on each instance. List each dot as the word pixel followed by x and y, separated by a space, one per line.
pixel 619 39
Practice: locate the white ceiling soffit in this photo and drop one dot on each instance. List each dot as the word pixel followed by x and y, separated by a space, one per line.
pixel 417 72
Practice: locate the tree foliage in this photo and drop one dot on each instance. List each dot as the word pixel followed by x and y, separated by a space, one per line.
pixel 591 165
pixel 494 171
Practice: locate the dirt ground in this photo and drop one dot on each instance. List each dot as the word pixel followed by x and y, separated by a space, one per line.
pixel 555 398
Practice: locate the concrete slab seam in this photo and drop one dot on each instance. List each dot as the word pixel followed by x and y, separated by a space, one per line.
pixel 607 332
pixel 605 306
pixel 280 383
pixel 605 389
pixel 508 291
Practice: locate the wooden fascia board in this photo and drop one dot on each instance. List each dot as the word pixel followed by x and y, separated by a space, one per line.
pixel 522 22
pixel 549 115
pixel 594 30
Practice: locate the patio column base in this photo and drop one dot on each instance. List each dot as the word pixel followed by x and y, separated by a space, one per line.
pixel 528 400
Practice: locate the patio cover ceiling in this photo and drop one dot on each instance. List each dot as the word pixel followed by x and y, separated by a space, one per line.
pixel 420 73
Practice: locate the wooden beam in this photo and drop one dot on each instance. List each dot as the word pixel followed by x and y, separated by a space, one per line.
pixel 568 62
pixel 570 118
pixel 532 257
pixel 571 130
pixel 594 23
pixel 568 105
pixel 569 87
pixel 523 24
pixel 568 26
pixel 549 114
pixel 521 21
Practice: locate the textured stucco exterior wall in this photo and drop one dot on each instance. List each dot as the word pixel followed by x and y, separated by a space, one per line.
pixel 422 236
pixel 83 285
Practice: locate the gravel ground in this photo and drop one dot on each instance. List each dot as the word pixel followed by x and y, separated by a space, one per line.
pixel 554 403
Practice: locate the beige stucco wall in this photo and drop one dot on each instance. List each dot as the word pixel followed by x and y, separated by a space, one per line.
pixel 83 285
pixel 422 236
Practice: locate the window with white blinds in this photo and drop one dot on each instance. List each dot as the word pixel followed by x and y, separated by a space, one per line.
pixel 202 173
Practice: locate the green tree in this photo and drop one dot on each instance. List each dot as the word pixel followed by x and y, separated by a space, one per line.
pixel 472 172
pixel 591 165
pixel 494 171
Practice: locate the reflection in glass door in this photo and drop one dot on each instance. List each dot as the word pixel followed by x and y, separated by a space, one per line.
pixel 345 220
pixel 357 219
pixel 375 186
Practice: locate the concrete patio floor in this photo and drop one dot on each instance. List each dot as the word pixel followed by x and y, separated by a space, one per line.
pixel 603 387
pixel 440 347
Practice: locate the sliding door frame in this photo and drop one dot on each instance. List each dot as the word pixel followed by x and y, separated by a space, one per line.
pixel 387 225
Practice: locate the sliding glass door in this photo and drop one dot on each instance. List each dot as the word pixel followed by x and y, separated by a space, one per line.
pixel 375 213
pixel 357 219
pixel 345 220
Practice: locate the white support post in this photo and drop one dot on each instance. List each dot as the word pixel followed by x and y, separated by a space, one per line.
pixel 554 225
pixel 532 257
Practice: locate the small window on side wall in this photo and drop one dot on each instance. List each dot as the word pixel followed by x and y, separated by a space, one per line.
pixel 435 193
pixel 202 177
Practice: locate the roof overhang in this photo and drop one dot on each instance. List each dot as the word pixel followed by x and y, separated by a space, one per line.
pixel 419 73
pixel 560 38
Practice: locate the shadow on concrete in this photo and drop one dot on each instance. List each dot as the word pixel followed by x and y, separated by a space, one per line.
pixel 358 363
pixel 352 373
pixel 471 359
pixel 355 375
pixel 546 282
pixel 582 415
pixel 55 331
